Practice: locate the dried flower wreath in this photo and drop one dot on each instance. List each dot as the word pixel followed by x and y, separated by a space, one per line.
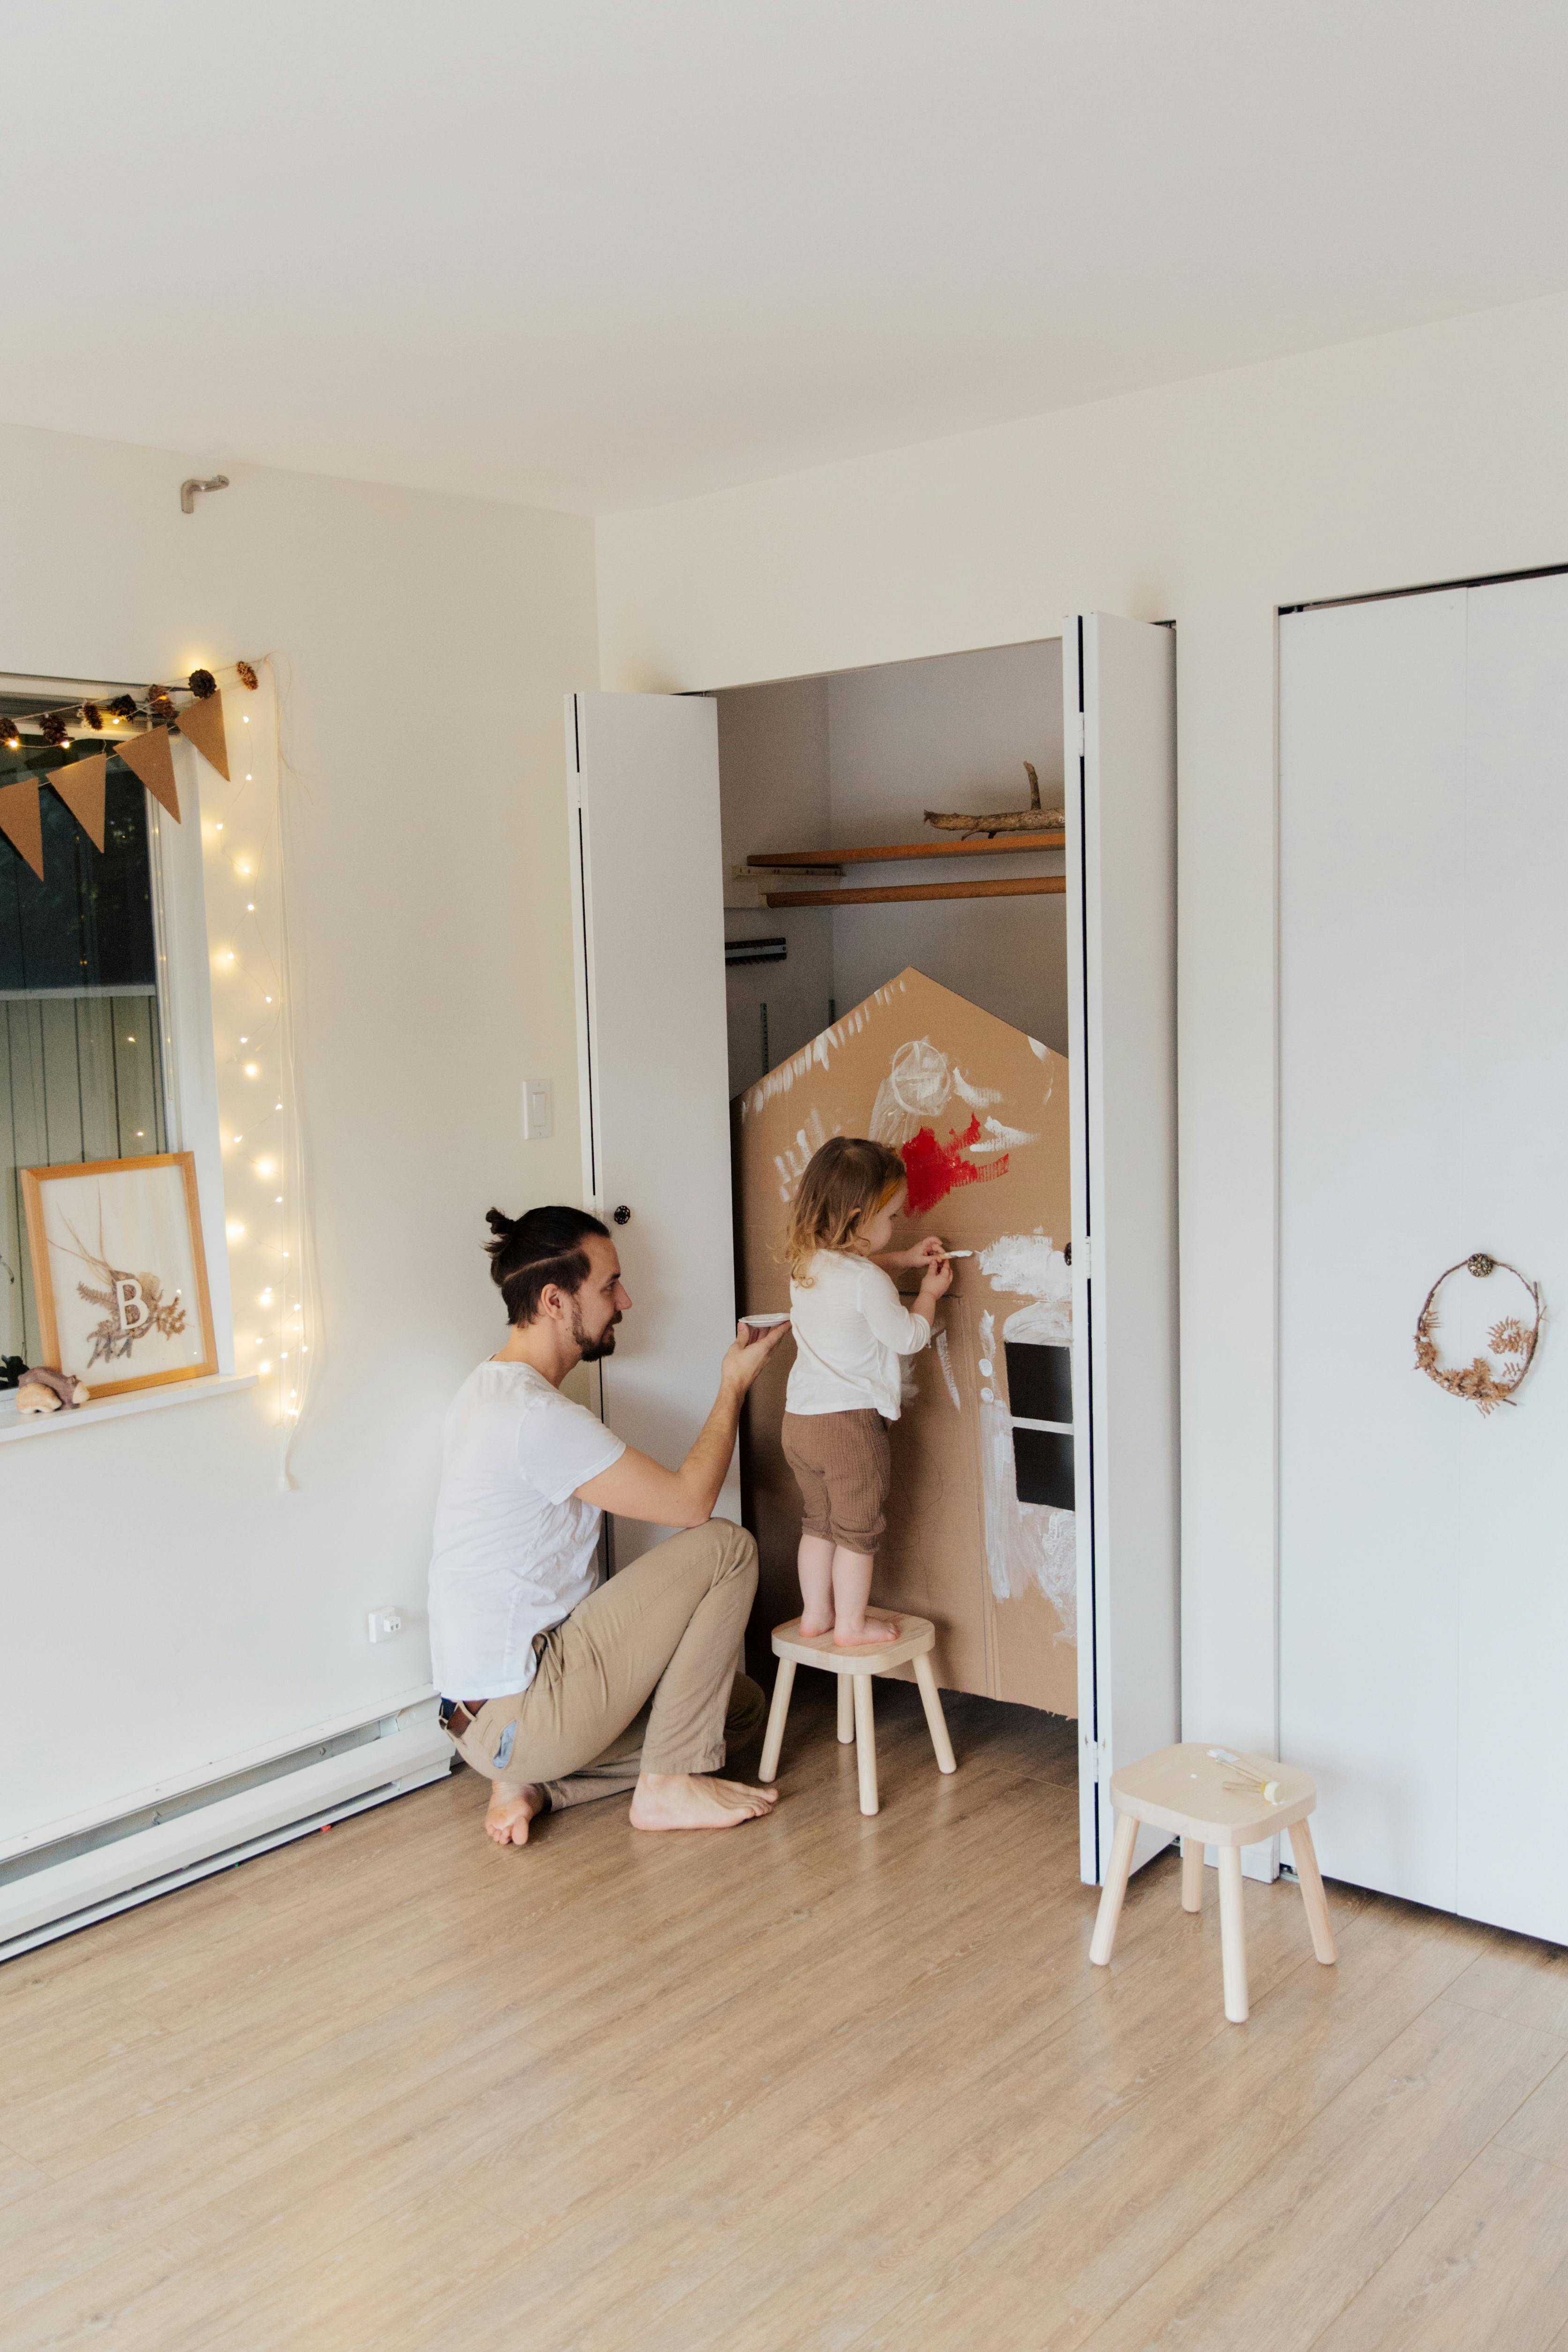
pixel 1484 1385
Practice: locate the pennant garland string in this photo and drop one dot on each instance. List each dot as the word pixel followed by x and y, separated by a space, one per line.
pixel 82 783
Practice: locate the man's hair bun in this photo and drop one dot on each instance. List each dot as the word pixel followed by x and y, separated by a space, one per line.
pixel 530 1252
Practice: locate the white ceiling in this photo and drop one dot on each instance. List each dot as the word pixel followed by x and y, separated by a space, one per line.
pixel 599 253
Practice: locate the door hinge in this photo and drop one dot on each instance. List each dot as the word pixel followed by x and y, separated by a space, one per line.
pixel 1083 1255
pixel 1096 1754
pixel 1082 742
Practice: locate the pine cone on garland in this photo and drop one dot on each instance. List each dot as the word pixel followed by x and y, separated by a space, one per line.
pixel 202 683
pixel 122 707
pixel 93 716
pixel 53 728
pixel 158 705
pixel 247 676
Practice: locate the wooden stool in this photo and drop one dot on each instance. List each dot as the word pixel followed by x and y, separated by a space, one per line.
pixel 855 1669
pixel 1184 1788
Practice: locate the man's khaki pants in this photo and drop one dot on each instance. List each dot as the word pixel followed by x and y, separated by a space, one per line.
pixel 637 1679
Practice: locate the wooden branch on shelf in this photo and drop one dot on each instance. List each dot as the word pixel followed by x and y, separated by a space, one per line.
pixel 1000 820
pixel 1023 886
pixel 894 853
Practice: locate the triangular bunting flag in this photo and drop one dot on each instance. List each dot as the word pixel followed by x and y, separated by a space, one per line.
pixel 20 821
pixel 149 757
pixel 201 723
pixel 80 786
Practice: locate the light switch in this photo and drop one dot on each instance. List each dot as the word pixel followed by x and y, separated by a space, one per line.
pixel 538 1109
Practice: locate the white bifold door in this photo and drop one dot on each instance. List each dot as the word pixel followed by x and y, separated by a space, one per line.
pixel 1424 1546
pixel 653 1063
pixel 1119 690
pixel 649 919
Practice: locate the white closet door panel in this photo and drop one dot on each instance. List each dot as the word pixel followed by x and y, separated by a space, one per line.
pixel 1512 1542
pixel 649 876
pixel 1118 679
pixel 1376 1086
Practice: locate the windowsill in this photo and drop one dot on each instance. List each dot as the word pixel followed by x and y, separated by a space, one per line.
pixel 14 1426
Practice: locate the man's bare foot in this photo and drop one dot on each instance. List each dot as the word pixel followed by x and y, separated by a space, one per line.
pixel 811 1624
pixel 690 1801
pixel 871 1628
pixel 513 1804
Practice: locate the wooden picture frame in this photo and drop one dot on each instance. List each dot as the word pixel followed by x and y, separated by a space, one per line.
pixel 134 1228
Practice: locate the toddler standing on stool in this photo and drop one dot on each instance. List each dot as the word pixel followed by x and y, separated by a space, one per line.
pixel 851 1330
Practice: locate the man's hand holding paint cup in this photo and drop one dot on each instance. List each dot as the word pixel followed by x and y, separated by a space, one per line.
pixel 756 1336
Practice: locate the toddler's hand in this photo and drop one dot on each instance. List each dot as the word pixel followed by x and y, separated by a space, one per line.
pixel 937 1278
pixel 926 1252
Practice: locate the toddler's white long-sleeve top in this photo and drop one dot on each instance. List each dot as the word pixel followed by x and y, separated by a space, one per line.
pixel 850 1329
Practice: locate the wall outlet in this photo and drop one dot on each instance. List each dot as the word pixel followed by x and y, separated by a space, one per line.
pixel 538 1109
pixel 385 1624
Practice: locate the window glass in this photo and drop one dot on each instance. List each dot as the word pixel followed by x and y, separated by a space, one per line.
pixel 81 1073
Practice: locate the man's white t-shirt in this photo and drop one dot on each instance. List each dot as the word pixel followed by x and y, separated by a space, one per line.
pixel 514 1550
pixel 851 1329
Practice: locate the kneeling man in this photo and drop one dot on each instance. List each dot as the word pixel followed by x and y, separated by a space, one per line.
pixel 560 1687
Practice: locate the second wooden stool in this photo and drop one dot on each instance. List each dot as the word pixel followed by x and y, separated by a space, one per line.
pixel 1208 1800
pixel 856 1669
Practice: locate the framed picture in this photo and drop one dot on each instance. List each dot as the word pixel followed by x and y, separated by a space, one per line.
pixel 119 1271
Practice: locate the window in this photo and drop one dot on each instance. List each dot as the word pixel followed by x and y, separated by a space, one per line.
pixel 84 1040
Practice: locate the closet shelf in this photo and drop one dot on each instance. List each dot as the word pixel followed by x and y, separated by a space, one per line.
pixel 894 853
pixel 1023 886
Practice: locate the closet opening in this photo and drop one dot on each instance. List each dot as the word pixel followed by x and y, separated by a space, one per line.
pixel 893 976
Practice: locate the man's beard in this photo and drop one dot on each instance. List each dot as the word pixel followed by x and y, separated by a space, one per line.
pixel 591 1350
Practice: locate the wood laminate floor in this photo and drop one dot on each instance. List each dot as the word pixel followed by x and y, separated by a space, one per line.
pixel 822 2082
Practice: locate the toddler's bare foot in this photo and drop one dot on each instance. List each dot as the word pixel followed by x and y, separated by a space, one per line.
pixel 512 1806
pixel 813 1622
pixel 691 1801
pixel 848 1636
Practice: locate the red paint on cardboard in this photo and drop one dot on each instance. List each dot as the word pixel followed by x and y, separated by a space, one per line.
pixel 934 1170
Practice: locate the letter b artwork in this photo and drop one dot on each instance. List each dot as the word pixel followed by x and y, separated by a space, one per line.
pixel 119 1275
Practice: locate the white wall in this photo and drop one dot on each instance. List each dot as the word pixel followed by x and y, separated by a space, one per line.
pixel 164 1604
pixel 1433 454
pixel 952 734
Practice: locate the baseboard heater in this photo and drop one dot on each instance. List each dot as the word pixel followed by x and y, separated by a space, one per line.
pixel 55 1885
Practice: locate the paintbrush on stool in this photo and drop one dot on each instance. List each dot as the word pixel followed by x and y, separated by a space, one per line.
pixel 1255 1784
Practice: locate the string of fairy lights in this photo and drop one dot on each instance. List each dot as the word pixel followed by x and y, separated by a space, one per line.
pixel 268 1259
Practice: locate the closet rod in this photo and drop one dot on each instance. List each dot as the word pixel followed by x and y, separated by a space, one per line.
pixel 1032 886
pixel 894 853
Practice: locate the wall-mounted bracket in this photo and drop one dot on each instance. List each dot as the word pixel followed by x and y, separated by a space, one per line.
pixel 189 487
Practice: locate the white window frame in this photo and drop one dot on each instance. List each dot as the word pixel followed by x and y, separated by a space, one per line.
pixel 184 991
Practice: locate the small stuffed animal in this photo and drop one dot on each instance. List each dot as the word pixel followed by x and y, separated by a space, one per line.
pixel 40 1390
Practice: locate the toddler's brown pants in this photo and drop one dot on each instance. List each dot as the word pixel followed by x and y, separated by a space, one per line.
pixel 842 1466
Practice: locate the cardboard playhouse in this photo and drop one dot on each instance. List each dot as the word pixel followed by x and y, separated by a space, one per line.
pixel 979 1112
